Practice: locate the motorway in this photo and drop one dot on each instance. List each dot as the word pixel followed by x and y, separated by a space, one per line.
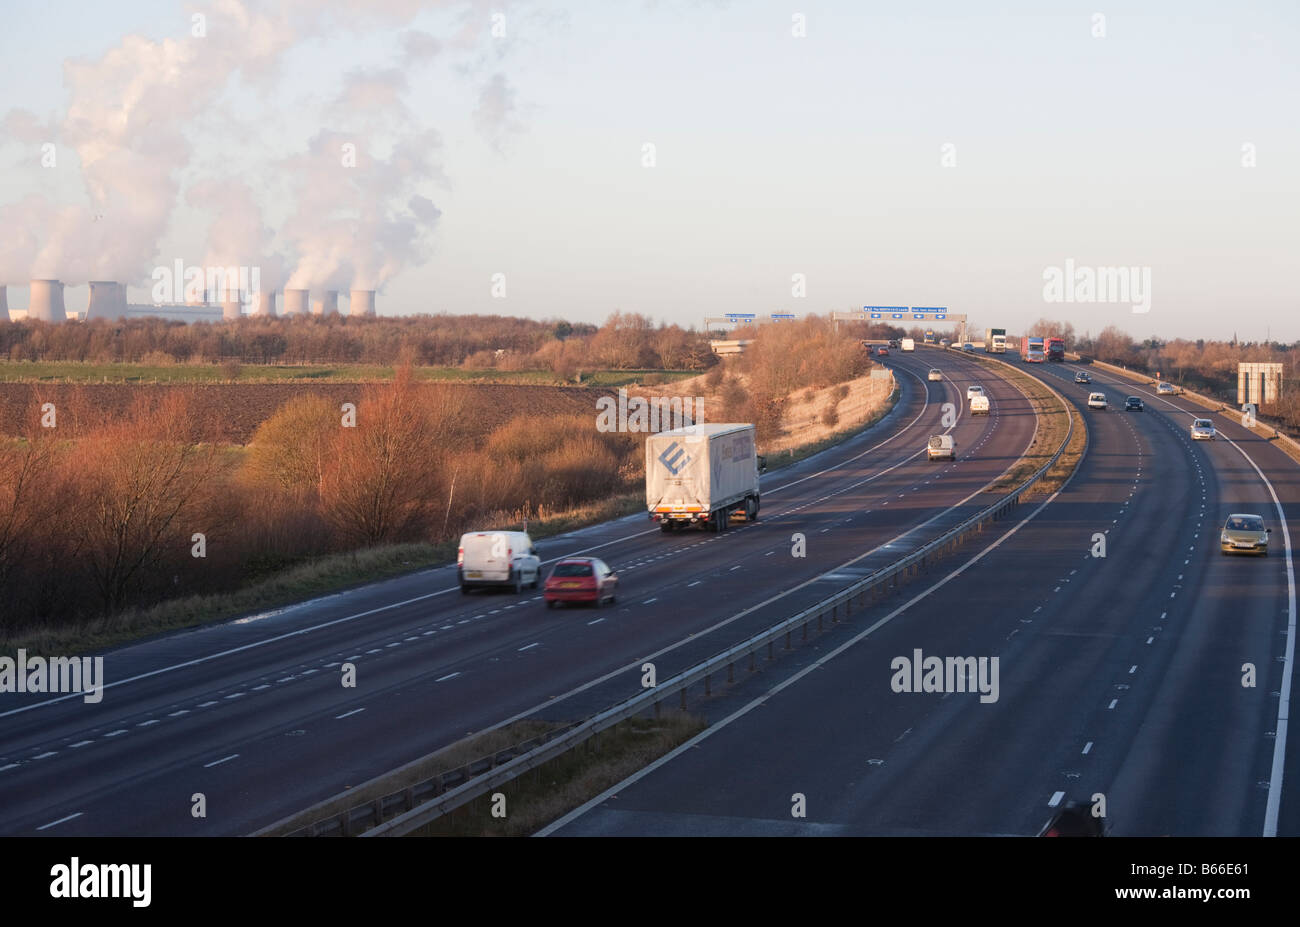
pixel 253 715
pixel 1119 676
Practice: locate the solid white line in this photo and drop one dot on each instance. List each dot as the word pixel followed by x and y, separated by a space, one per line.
pixel 449 676
pixel 529 646
pixel 348 714
pixel 1056 799
pixel 1087 746
pixel 220 761
pixel 61 820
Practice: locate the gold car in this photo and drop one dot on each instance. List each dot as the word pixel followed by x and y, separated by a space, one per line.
pixel 1244 534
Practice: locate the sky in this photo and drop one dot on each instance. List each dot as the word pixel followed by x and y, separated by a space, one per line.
pixel 677 159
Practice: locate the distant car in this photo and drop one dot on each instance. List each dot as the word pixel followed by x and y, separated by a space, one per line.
pixel 935 375
pixel 895 343
pixel 974 391
pixel 1083 377
pixel 1203 430
pixel 580 579
pixel 1097 401
pixel 882 351
pixel 1133 404
pixel 979 404
pixel 968 346
pixel 497 558
pixel 1166 389
pixel 941 447
pixel 1244 534
pixel 944 342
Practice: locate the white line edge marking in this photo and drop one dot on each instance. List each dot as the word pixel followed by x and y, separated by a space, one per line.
pixel 348 714
pixel 224 759
pixel 61 820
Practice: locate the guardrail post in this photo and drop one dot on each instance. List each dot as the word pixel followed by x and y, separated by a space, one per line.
pixel 656 709
pixel 379 810
pixel 751 661
pixel 683 698
pixel 408 796
pixel 707 692
pixel 805 630
pixel 731 671
pixel 787 640
pixel 345 822
pixel 769 650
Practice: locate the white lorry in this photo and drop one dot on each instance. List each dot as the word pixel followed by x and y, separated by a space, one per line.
pixel 909 344
pixel 702 476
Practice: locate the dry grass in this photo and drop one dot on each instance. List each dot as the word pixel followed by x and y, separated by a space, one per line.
pixel 1052 426
pixel 556 788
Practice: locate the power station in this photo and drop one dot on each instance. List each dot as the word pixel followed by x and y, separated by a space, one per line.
pixel 108 300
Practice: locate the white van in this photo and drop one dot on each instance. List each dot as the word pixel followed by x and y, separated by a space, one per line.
pixel 979 404
pixel 941 447
pixel 497 558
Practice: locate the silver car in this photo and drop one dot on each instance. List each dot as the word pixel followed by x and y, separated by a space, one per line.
pixel 1244 534
pixel 1203 430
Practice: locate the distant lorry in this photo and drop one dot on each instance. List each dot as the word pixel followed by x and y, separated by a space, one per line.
pixel 1032 350
pixel 702 476
pixel 995 341
pixel 909 344
pixel 1056 349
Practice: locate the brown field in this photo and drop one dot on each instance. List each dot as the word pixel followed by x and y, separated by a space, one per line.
pixel 231 412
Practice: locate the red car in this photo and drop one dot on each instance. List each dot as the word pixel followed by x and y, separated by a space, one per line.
pixel 882 351
pixel 580 579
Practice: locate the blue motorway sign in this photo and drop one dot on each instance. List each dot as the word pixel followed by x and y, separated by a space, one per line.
pixel 783 315
pixel 741 315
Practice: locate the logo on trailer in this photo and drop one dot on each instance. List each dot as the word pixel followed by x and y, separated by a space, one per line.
pixel 674 458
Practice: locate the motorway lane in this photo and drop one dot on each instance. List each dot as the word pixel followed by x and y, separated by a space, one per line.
pixel 266 729
pixel 1118 675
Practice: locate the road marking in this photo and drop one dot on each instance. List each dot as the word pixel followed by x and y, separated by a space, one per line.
pixel 696 583
pixel 648 601
pixel 399 643
pixel 348 714
pixel 265 685
pixel 61 820
pixel 449 676
pixel 224 759
pixel 1132 669
pixel 529 646
pixel 597 621
pixel 177 714
pixel 1150 639
pixel 1087 746
pixel 1056 799
pixel 235 695
pixel 736 567
pixel 45 754
pixel 120 730
pixel 80 743
pixel 147 723
pixel 1113 703
pixel 208 704
pixel 9 766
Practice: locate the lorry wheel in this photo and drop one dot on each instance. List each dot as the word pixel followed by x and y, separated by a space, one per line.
pixel 666 527
pixel 724 519
pixel 464 590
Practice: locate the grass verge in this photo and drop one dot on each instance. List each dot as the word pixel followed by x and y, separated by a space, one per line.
pixel 1053 423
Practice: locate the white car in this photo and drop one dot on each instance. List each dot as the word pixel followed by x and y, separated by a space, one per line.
pixel 497 558
pixel 1097 401
pixel 1203 430
pixel 1166 389
pixel 979 404
pixel 935 376
pixel 972 391
pixel 941 447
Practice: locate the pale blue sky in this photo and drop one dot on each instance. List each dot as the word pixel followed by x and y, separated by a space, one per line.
pixel 779 155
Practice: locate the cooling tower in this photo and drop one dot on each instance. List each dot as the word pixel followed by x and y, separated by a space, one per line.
pixel 361 302
pixel 326 303
pixel 295 302
pixel 46 302
pixel 232 307
pixel 107 300
pixel 4 302
pixel 263 303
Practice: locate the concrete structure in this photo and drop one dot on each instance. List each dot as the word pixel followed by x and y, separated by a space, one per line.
pixel 1259 383
pixel 232 306
pixel 46 301
pixel 361 302
pixel 4 301
pixel 107 300
pixel 263 303
pixel 326 303
pixel 295 302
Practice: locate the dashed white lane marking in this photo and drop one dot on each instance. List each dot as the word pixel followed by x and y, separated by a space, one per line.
pixel 529 646
pixel 147 723
pixel 235 695
pixel 448 676
pixel 80 743
pixel 177 714
pixel 61 820
pixel 427 633
pixel 375 650
pixel 224 759
pixel 1150 639
pixel 648 601
pixel 348 714
pixel 45 754
pixel 207 704
pixel 399 643
pixel 1056 799
pixel 696 583
pixel 1132 669
pixel 597 621
pixel 120 730
pixel 1087 746
pixel 265 685
pixel 736 567
pixel 1113 703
